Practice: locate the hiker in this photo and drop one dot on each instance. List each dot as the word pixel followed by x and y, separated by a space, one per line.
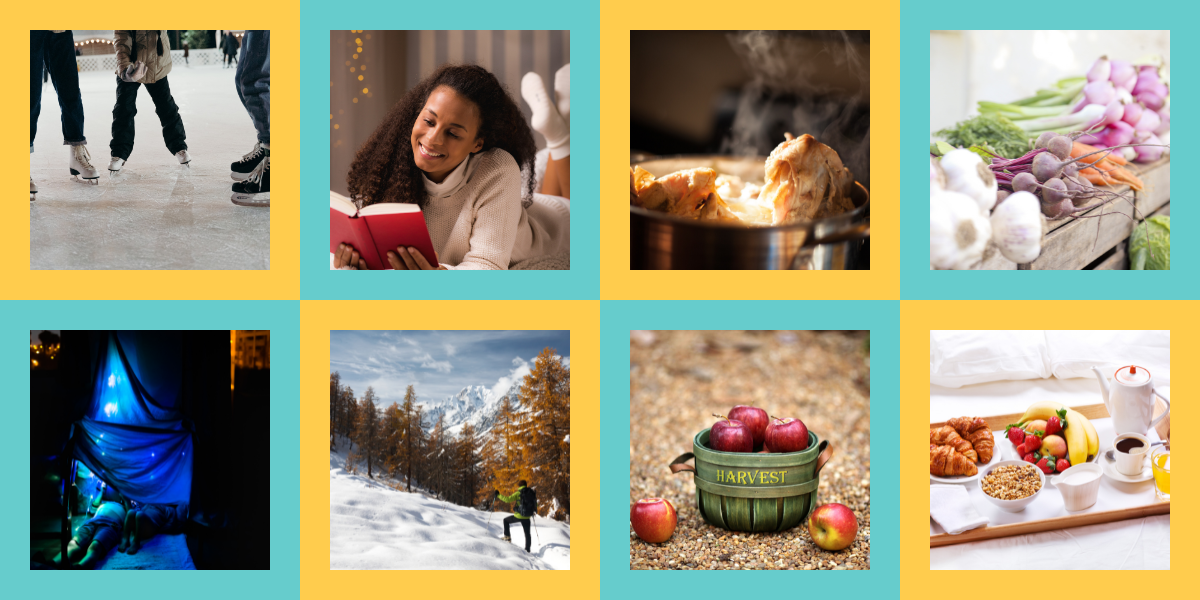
pixel 525 508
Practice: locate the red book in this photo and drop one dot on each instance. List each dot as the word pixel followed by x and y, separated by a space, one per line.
pixel 377 229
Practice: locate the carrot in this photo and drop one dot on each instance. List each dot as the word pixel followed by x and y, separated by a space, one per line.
pixel 1078 149
pixel 1106 167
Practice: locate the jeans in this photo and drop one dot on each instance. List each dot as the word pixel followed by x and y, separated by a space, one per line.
pixel 55 53
pixel 126 108
pixel 524 523
pixel 253 81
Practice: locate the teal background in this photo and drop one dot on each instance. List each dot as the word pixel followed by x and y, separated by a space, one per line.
pixel 617 318
pixel 282 467
pixel 917 282
pixel 318 282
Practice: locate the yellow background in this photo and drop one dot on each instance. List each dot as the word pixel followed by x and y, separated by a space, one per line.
pixel 318 318
pixel 916 320
pixel 282 282
pixel 882 17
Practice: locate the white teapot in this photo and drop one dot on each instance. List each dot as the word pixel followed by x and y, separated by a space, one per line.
pixel 1130 399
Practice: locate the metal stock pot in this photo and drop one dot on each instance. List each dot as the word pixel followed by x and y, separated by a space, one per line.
pixel 661 241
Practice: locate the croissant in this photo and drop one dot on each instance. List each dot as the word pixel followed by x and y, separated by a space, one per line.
pixel 945 461
pixel 946 435
pixel 976 431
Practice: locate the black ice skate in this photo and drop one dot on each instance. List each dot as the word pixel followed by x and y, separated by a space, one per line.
pixel 256 189
pixel 81 166
pixel 241 169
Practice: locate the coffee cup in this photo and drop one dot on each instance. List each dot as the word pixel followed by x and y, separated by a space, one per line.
pixel 1129 455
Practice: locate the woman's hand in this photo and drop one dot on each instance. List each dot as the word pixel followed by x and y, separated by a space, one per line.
pixel 411 259
pixel 347 256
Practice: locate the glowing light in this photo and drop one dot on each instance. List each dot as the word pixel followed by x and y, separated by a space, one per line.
pixel 360 48
pixel 112 379
pixel 110 409
pixel 34 361
pixel 151 455
pixel 360 77
pixel 358 41
pixel 364 90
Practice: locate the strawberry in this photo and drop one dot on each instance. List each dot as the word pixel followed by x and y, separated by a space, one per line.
pixel 1016 435
pixel 1029 459
pixel 1062 465
pixel 1032 442
pixel 1022 450
pixel 1046 466
pixel 1057 423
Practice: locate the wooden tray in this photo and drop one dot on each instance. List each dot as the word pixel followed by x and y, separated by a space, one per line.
pixel 989 532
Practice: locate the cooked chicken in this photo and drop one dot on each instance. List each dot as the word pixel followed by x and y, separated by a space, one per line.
pixel 805 181
pixel 687 193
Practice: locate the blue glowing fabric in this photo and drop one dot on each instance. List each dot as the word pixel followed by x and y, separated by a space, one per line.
pixel 133 436
pixel 146 465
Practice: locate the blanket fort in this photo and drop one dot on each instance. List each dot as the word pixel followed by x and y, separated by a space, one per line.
pixel 133 436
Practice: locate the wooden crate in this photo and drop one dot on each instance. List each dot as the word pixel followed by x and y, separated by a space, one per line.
pixel 1102 233
pixel 989 532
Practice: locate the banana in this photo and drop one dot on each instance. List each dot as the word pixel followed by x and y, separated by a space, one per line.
pixel 1093 439
pixel 1040 410
pixel 1077 440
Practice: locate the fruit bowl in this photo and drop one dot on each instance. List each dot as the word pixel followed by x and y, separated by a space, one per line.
pixel 1012 506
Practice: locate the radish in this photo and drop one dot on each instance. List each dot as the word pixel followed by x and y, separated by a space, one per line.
pixel 1148 153
pixel 1118 134
pixel 1152 100
pixel 1164 116
pixel 1148 122
pixel 1101 70
pixel 1133 112
pixel 1121 72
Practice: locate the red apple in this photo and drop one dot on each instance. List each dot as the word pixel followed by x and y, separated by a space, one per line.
pixel 653 519
pixel 786 435
pixel 754 418
pixel 832 526
pixel 730 436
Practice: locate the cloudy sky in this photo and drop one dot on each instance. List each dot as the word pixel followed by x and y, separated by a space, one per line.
pixel 438 363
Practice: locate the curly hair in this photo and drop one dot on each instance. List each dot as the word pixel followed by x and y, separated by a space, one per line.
pixel 384 169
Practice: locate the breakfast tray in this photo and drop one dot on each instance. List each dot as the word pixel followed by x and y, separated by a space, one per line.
pixel 988 532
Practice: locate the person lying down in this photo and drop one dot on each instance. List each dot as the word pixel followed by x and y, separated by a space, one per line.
pixel 95 538
pixel 144 521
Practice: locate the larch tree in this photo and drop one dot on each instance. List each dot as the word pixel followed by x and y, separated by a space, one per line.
pixel 350 414
pixel 546 391
pixel 335 397
pixel 391 434
pixel 367 430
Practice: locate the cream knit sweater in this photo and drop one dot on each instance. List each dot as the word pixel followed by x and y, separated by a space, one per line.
pixel 477 220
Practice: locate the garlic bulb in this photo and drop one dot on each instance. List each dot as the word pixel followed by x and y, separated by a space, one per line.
pixel 1017 227
pixel 937 177
pixel 958 231
pixel 966 174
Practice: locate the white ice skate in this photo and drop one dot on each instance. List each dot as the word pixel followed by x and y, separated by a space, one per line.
pixel 184 157
pixel 32 190
pixel 81 166
pixel 114 165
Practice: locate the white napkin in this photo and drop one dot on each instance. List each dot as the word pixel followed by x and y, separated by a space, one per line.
pixel 951 507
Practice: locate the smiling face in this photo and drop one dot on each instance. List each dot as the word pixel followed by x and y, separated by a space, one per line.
pixel 445 133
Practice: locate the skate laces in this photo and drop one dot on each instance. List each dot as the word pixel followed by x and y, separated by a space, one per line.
pixel 256 175
pixel 81 155
pixel 255 153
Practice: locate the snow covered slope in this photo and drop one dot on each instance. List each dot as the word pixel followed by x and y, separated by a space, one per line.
pixel 372 526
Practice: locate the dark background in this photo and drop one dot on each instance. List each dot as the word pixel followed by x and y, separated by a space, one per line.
pixel 229 526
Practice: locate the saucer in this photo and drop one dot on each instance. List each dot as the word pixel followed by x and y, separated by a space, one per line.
pixel 1110 471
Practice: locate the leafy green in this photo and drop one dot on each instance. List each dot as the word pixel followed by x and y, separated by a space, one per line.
pixel 1150 245
pixel 990 130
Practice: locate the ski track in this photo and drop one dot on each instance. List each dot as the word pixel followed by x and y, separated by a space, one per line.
pixel 372 526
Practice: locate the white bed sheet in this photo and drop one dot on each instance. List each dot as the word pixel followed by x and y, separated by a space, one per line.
pixel 1134 544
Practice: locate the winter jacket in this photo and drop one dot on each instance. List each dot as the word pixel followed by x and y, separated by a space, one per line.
pixel 231 44
pixel 513 498
pixel 153 49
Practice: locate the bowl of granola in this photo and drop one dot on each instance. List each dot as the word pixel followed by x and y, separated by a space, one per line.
pixel 1012 484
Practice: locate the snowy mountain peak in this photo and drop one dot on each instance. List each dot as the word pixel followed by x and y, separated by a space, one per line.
pixel 474 404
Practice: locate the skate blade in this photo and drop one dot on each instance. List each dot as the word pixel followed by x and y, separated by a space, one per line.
pixel 238 176
pixel 92 181
pixel 252 200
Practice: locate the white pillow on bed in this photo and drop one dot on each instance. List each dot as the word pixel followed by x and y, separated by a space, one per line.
pixel 958 358
pixel 1074 353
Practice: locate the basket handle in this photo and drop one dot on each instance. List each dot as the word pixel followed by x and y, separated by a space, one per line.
pixel 826 454
pixel 678 464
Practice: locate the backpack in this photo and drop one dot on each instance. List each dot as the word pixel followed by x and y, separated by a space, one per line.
pixel 527 504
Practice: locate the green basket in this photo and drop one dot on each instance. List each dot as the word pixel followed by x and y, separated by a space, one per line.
pixel 756 492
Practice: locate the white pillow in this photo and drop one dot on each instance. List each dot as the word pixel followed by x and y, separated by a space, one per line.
pixel 958 358
pixel 1074 353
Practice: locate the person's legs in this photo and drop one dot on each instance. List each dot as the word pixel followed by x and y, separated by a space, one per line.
pixel 123 113
pixel 95 552
pixel 525 525
pixel 64 73
pixel 509 520
pixel 144 529
pixel 168 115
pixel 253 80
pixel 37 66
pixel 557 181
pixel 74 551
pixel 127 529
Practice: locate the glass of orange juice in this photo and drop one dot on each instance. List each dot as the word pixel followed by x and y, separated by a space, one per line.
pixel 1160 461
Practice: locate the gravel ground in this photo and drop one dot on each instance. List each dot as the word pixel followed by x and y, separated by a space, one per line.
pixel 678 379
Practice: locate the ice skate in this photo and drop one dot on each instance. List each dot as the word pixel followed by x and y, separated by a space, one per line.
pixel 256 189
pixel 184 157
pixel 81 166
pixel 114 165
pixel 32 190
pixel 241 169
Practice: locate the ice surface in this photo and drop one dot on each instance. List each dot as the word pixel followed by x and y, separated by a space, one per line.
pixel 156 214
pixel 372 526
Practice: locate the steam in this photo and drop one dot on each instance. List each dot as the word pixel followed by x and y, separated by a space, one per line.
pixel 817 83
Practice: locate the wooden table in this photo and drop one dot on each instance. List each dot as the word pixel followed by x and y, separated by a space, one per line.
pixel 1098 242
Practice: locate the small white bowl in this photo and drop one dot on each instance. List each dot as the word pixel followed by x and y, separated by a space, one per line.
pixel 1079 496
pixel 1012 505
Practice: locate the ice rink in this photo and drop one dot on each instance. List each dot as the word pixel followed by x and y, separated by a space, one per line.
pixel 156 214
